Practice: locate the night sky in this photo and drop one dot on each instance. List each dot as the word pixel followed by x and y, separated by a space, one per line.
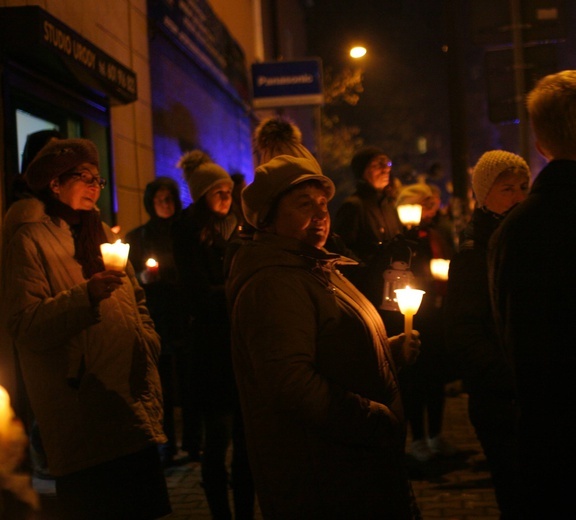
pixel 406 78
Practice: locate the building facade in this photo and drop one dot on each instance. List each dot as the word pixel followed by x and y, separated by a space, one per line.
pixel 147 80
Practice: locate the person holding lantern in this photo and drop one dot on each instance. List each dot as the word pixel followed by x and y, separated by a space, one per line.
pixel 367 221
pixel 500 181
pixel 85 342
pixel 316 371
pixel 423 383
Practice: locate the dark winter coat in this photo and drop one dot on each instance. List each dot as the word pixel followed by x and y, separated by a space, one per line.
pixel 367 222
pixel 533 282
pixel 318 387
pixel 470 332
pixel 154 240
pixel 200 242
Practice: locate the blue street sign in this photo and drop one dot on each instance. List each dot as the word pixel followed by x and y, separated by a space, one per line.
pixel 287 83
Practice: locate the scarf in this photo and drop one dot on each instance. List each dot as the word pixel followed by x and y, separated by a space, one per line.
pixel 87 232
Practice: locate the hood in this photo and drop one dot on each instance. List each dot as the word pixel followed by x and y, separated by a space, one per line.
pixel 23 211
pixel 270 250
pixel 153 187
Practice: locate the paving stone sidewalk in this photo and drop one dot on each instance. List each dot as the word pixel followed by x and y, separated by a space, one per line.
pixel 456 488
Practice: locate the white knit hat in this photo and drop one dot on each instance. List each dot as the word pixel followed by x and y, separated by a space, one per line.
pixel 489 166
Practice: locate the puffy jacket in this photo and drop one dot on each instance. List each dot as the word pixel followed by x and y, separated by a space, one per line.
pixel 109 350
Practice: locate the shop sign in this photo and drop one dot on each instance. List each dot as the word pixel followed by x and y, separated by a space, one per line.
pixel 26 29
pixel 287 83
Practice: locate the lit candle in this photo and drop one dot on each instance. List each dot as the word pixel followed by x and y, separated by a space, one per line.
pixel 410 214
pixel 13 445
pixel 115 255
pixel 152 265
pixel 409 301
pixel 439 268
pixel 6 413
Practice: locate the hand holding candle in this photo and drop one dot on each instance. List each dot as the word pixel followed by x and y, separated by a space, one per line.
pixel 115 256
pixel 409 301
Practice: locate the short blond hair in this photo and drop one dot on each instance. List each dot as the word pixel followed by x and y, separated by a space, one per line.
pixel 552 110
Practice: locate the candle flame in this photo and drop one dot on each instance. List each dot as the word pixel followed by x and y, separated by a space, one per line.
pixel 151 263
pixel 439 268
pixel 410 214
pixel 409 300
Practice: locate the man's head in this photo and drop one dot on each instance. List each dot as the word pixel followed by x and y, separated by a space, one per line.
pixel 552 110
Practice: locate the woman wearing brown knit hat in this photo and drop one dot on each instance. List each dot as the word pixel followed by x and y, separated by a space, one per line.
pixel 316 371
pixel 200 241
pixel 85 343
pixel 280 136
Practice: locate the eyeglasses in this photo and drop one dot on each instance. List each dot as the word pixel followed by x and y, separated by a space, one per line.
pixel 87 178
pixel 381 163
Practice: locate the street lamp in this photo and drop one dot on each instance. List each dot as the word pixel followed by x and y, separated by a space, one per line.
pixel 357 52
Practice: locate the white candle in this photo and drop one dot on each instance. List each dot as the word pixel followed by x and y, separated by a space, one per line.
pixel 409 301
pixel 410 214
pixel 115 255
pixel 439 268
pixel 6 412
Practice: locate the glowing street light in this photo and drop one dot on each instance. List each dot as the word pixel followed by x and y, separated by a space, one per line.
pixel 357 52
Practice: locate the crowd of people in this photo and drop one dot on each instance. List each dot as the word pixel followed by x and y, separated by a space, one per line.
pixel 267 327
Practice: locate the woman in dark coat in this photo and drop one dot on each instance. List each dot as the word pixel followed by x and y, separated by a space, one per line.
pixel 153 240
pixel 200 241
pixel 367 221
pixel 316 371
pixel 423 383
pixel 500 181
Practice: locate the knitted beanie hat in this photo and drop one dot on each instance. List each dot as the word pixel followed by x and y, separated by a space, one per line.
pixel 274 178
pixel 362 159
pixel 489 166
pixel 201 173
pixel 59 157
pixel 278 136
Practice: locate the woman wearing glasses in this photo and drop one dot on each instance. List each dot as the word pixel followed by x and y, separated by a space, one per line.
pixel 85 343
